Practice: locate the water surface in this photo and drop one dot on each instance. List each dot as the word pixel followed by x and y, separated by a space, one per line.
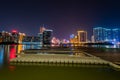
pixel 51 71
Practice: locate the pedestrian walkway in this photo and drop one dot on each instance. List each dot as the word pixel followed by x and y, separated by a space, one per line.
pixel 61 59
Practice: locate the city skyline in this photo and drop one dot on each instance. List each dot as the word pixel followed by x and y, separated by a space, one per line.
pixel 27 16
pixel 98 34
pixel 102 34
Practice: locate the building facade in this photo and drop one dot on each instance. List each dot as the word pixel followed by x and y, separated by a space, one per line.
pixel 108 34
pixel 104 34
pixel 98 34
pixel 82 36
pixel 116 34
pixel 47 36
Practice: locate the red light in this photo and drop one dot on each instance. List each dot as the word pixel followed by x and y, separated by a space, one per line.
pixel 12 52
pixel 14 31
pixel 11 68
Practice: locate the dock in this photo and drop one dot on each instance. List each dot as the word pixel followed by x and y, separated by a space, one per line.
pixel 62 59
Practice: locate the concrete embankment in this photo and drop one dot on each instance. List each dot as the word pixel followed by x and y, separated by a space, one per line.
pixel 61 59
pixel 109 54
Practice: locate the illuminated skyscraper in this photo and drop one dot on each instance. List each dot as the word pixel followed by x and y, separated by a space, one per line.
pixel 20 40
pixel 99 34
pixel 82 36
pixel 108 35
pixel 116 34
pixel 104 34
pixel 21 36
pixel 6 36
pixel 40 35
pixel 15 36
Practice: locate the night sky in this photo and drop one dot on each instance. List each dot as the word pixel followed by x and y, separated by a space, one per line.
pixel 64 17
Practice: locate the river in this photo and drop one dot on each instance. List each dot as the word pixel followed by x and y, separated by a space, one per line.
pixel 50 71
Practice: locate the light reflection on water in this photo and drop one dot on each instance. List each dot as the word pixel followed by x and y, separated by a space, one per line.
pixel 106 46
pixel 1 55
pixel 44 72
pixel 8 52
pixel 113 46
pixel 51 72
pixel 12 53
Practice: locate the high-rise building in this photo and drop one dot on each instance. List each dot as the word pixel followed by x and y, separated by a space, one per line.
pixel 47 36
pixel 27 39
pixel 41 36
pixel 107 35
pixel 103 34
pixel 15 36
pixel 82 36
pixel 99 34
pixel 92 39
pixel 42 29
pixel 116 34
pixel 20 40
pixel 21 36
pixel 36 39
pixel 6 36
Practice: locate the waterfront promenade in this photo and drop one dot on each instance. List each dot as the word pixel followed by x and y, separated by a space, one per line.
pixel 61 59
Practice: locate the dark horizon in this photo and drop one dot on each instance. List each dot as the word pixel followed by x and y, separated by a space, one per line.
pixel 63 17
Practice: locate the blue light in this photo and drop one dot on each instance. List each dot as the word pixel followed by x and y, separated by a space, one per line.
pixel 1 55
pixel 72 36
